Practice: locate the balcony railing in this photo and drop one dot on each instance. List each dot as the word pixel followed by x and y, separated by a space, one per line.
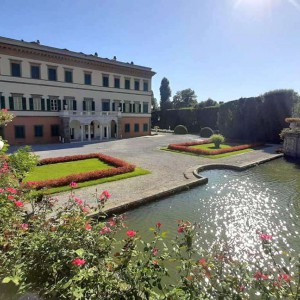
pixel 90 113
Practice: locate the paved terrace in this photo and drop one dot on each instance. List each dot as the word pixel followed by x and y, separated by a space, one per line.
pixel 170 172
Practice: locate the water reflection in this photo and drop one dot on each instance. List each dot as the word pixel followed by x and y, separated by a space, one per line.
pixel 234 207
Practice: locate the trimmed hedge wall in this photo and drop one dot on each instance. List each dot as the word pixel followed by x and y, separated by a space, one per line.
pixel 121 167
pixel 186 147
pixel 249 119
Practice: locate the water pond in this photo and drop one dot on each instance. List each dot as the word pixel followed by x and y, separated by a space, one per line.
pixel 233 206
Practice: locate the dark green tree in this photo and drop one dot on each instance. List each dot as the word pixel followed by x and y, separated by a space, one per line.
pixel 185 98
pixel 165 94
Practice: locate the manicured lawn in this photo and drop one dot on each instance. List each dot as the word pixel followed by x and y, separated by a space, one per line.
pixel 54 171
pixel 136 172
pixel 211 146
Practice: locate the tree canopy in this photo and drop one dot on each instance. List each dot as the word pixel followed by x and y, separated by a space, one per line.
pixel 185 98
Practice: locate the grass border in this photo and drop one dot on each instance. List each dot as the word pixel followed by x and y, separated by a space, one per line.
pixel 121 167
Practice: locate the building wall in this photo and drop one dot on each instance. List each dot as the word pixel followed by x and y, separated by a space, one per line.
pixel 132 121
pixel 28 54
pixel 29 123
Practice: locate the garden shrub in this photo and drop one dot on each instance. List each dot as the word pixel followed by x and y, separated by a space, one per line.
pixel 206 132
pixel 217 139
pixel 180 129
pixel 22 162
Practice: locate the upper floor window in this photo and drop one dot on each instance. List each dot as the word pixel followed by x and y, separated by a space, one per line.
pixel 88 78
pixel 105 80
pixel 19 103
pixel 52 74
pixel 137 85
pixel 127 84
pixel 117 82
pixel 54 104
pixel 35 72
pixel 105 105
pixel 16 69
pixel 68 76
pixel 70 103
pixel 36 103
pixel 146 86
pixel 145 107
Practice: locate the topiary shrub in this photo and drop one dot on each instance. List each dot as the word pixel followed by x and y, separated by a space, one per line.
pixel 206 132
pixel 180 129
pixel 217 139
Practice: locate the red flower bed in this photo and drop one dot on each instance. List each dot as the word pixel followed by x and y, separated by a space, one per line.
pixel 186 148
pixel 120 167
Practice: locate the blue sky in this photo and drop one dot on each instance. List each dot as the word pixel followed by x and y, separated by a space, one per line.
pixel 223 49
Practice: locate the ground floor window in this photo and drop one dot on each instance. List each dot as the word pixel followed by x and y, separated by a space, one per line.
pixel 54 130
pixel 19 132
pixel 136 127
pixel 127 127
pixel 38 130
pixel 145 127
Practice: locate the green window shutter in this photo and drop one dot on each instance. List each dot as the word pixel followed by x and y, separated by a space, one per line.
pixel 24 103
pixel 48 104
pixel 74 105
pixel 83 106
pixel 140 108
pixel 43 104
pixel 59 104
pixel 31 103
pixel 93 106
pixel 2 102
pixel 11 103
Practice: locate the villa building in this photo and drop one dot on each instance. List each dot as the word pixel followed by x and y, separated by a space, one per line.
pixel 57 95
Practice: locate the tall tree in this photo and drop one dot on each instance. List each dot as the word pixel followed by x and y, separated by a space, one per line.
pixel 185 98
pixel 165 94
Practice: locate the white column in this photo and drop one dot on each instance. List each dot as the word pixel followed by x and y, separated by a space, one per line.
pixel 81 132
pixel 89 132
pixel 110 105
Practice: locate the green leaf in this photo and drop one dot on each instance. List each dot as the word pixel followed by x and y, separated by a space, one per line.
pixel 152 229
pixel 164 234
pixel 6 280
pixel 79 252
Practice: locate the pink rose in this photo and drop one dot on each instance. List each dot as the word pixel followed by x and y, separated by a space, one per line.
pixel 73 184
pixel 131 233
pixel 19 203
pixel 78 261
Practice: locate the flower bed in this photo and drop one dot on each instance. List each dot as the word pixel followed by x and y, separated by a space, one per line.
pixel 120 167
pixel 186 147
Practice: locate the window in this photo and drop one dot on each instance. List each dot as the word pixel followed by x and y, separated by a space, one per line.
pixel 137 85
pixel 52 74
pixel 136 127
pixel 105 105
pixel 105 80
pixel 89 106
pixel 18 104
pixel 38 130
pixel 88 78
pixel 145 107
pixel 127 84
pixel 20 132
pixel 68 76
pixel 37 103
pixel 70 103
pixel 54 104
pixel 117 83
pixel 127 107
pixel 35 72
pixel 145 87
pixel 16 69
pixel 127 127
pixel 54 130
pixel 145 127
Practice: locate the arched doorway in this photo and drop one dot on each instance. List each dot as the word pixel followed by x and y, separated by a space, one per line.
pixel 74 130
pixel 113 129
